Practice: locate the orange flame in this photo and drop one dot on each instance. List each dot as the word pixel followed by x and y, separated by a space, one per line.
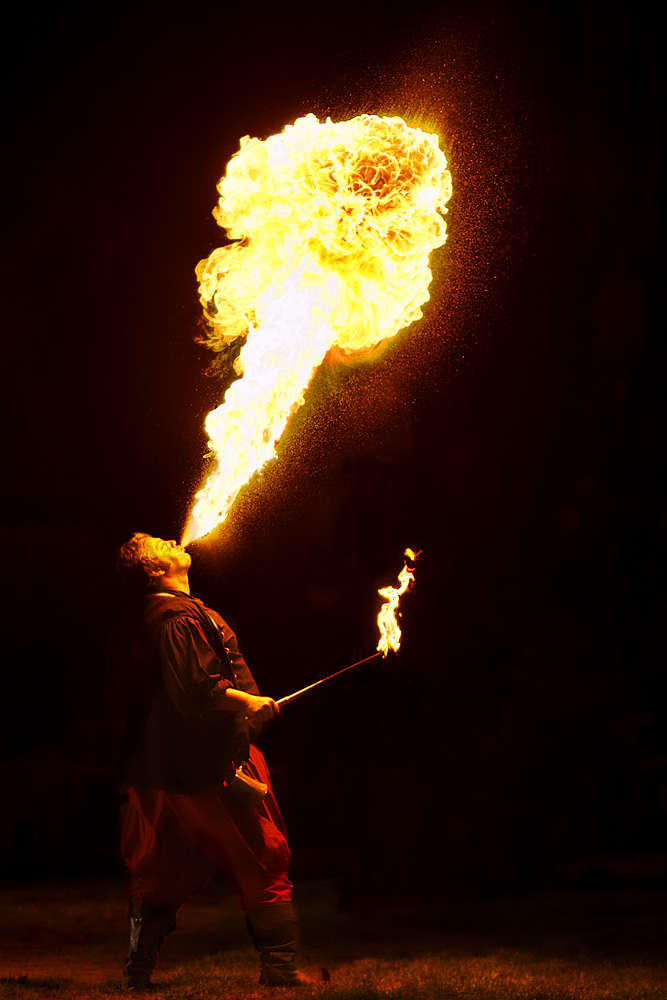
pixel 335 224
pixel 390 633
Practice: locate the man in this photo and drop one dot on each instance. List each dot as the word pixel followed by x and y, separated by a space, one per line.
pixel 182 707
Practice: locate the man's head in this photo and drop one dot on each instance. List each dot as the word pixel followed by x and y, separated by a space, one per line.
pixel 148 563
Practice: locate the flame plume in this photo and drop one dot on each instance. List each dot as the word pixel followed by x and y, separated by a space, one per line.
pixel 335 223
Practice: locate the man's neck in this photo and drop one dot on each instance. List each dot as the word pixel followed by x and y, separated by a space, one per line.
pixel 176 582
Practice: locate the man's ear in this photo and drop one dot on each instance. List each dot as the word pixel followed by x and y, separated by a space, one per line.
pixel 156 572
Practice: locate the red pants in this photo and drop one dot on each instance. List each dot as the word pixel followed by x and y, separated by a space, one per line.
pixel 173 843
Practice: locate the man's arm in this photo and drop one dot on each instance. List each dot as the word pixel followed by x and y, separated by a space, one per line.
pixel 244 681
pixel 254 707
pixel 194 666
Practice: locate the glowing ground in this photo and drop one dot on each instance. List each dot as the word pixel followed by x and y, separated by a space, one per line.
pixel 66 939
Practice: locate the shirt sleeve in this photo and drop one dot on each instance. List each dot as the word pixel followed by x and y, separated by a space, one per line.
pixel 192 672
pixel 243 679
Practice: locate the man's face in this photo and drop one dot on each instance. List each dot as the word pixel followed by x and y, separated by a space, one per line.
pixel 170 552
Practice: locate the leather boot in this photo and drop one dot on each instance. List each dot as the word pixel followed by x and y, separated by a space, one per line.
pixel 273 929
pixel 149 925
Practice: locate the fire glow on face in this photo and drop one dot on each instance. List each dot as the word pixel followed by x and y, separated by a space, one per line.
pixel 335 224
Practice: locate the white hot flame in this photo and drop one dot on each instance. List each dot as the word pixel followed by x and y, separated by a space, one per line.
pixel 335 224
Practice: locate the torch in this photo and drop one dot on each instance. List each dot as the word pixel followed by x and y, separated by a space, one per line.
pixel 390 633
pixel 244 786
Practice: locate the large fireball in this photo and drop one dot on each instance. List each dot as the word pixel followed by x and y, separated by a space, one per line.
pixel 335 223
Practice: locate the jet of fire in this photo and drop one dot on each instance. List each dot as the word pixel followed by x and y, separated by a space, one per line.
pixel 335 224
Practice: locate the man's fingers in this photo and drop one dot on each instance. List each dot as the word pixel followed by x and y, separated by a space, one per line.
pixel 262 709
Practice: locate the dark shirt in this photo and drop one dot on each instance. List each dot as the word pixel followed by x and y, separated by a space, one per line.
pixel 170 661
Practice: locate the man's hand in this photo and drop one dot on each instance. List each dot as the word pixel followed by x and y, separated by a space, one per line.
pixel 260 709
pixel 255 707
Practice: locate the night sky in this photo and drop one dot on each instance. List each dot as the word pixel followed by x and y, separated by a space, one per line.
pixel 516 435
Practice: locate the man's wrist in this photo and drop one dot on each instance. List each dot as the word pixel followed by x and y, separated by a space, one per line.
pixel 229 699
pixel 233 694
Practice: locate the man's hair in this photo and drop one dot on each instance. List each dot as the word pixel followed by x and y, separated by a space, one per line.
pixel 134 563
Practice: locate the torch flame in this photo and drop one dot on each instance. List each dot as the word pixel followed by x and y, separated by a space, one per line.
pixel 334 224
pixel 390 633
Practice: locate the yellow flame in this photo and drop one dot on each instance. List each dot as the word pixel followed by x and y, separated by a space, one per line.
pixel 335 224
pixel 390 633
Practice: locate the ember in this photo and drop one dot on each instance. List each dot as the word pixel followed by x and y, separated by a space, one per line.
pixel 334 224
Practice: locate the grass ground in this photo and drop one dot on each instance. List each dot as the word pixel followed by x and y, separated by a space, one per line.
pixel 67 939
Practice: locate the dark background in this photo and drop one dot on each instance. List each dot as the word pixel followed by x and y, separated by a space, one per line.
pixel 516 435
